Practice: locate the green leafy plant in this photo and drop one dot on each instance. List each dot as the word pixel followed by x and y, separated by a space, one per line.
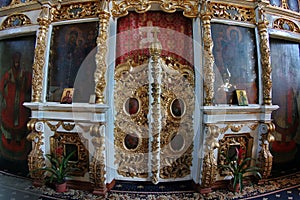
pixel 60 167
pixel 238 167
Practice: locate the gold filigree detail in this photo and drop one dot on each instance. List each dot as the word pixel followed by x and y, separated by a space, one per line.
pixel 236 128
pixel 36 158
pixel 63 139
pixel 233 12
pixel 189 7
pixel 264 156
pixel 209 75
pixel 40 54
pixel 75 11
pixel 285 24
pixel 209 170
pixel 97 165
pixel 131 82
pixel 101 65
pixel 15 20
pixel 54 127
pixel 68 126
pixel 253 126
pixel 265 57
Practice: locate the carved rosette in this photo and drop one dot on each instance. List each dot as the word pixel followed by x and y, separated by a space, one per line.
pixel 36 158
pixel 15 20
pixel 97 165
pixel 101 65
pixel 155 102
pixel 189 7
pixel 265 157
pixel 265 59
pixel 39 54
pixel 209 76
pixel 209 170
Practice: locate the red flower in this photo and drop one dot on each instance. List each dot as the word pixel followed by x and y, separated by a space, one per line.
pixel 59 151
pixel 240 154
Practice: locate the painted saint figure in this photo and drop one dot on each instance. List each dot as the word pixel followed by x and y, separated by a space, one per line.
pixel 15 89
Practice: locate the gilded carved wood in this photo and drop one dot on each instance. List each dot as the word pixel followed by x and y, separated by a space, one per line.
pixel 39 54
pixel 233 12
pixel 209 75
pixel 36 158
pixel 286 25
pixel 101 62
pixel 97 167
pixel 265 157
pixel 121 8
pixel 15 20
pixel 131 84
pixel 265 57
pixel 155 111
pixel 209 170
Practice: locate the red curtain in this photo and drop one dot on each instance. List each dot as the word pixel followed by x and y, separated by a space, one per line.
pixel 135 36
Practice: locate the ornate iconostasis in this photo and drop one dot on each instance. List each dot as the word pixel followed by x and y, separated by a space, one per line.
pixel 154 87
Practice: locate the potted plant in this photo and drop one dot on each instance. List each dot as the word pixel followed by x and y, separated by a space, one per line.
pixel 59 168
pixel 238 167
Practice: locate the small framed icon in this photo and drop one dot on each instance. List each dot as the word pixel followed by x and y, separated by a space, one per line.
pixel 242 97
pixel 67 96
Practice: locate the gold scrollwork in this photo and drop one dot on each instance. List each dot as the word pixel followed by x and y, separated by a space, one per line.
pixel 36 158
pixel 265 157
pixel 285 24
pixel 15 20
pixel 233 12
pixel 189 7
pixel 97 165
pixel 75 11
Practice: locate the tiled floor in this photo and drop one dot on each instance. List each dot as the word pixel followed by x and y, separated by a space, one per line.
pixel 10 189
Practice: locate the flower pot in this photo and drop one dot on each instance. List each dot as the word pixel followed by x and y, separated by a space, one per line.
pixel 61 187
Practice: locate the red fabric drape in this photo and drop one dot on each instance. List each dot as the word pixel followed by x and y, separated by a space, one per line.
pixel 135 36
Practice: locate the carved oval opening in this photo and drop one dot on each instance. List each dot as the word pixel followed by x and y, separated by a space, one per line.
pixel 177 142
pixel 131 141
pixel 177 108
pixel 132 106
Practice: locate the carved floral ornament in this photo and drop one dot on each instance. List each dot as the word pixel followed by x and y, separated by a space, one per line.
pixel 285 24
pixel 15 20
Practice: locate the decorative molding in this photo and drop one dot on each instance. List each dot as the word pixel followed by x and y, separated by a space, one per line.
pixel 265 57
pixel 75 10
pixel 155 110
pixel 264 156
pixel 36 158
pixel 101 65
pixel 97 168
pixel 208 69
pixel 233 12
pixel 209 170
pixel 286 25
pixel 121 8
pixel 15 20
pixel 40 54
